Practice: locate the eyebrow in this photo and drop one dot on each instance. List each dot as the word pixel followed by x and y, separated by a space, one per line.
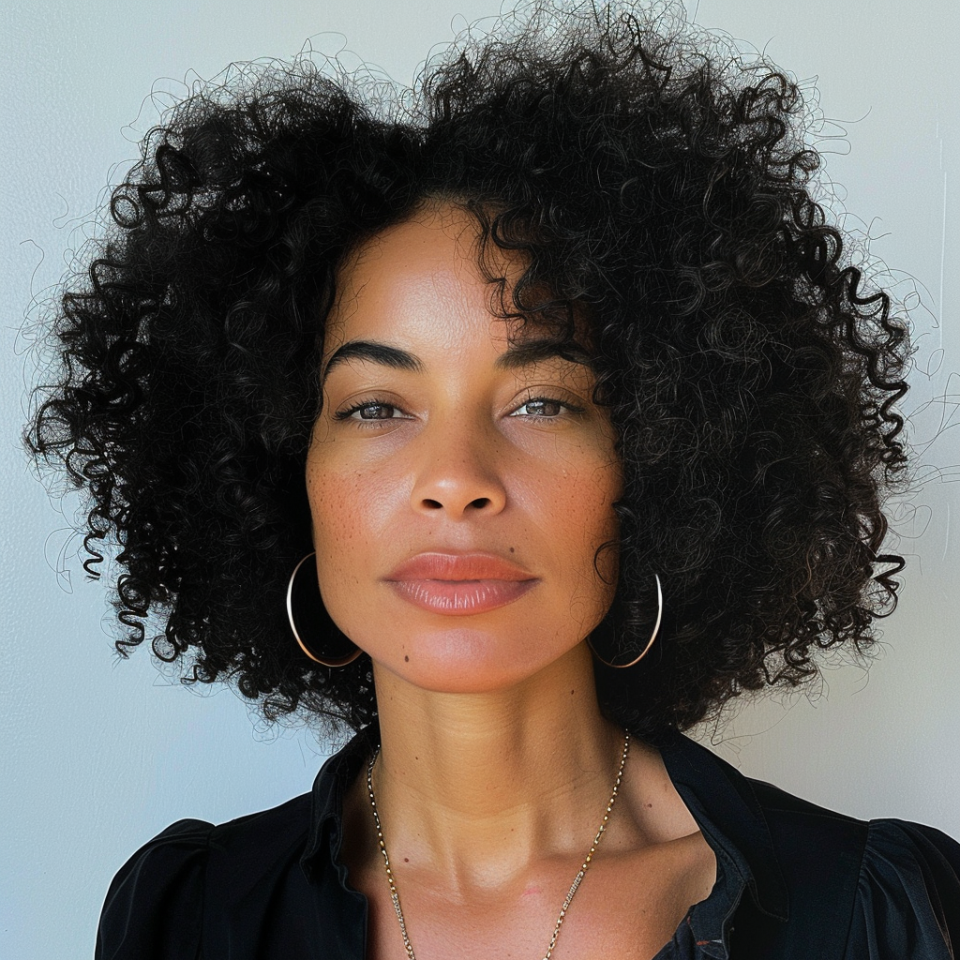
pixel 517 355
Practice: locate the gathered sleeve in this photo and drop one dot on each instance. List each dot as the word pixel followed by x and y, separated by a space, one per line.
pixel 154 907
pixel 908 898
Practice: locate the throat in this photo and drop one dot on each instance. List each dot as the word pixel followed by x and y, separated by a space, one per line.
pixel 476 787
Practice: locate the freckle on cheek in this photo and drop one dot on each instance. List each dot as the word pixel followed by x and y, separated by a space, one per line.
pixel 407 659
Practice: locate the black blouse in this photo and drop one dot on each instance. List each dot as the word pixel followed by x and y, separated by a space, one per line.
pixel 793 880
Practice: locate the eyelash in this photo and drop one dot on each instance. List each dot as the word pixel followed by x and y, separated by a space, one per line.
pixel 348 414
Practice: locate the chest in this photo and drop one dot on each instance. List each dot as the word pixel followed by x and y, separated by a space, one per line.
pixel 625 907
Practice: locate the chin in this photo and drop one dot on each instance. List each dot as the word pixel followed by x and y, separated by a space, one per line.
pixel 465 660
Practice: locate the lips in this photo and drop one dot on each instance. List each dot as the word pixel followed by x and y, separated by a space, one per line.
pixel 458 566
pixel 460 584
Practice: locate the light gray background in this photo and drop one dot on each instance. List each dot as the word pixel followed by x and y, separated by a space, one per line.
pixel 99 756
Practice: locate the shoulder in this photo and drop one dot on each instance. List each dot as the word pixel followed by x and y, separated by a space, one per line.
pixel 154 909
pixel 892 885
pixel 908 902
pixel 843 887
pixel 153 906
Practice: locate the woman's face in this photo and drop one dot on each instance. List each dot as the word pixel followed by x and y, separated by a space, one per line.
pixel 459 486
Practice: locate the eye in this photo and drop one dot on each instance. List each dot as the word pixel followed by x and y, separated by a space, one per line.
pixel 544 408
pixel 369 410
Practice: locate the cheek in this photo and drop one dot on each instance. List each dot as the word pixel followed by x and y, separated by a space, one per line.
pixel 591 523
pixel 349 510
pixel 335 520
pixel 577 519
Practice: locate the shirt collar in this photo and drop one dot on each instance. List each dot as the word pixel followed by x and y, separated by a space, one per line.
pixel 719 797
pixel 332 782
pixel 725 807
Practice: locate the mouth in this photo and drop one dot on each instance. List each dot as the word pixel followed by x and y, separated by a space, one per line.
pixel 461 598
pixel 460 584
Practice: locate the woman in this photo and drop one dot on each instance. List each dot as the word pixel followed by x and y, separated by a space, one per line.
pixel 518 426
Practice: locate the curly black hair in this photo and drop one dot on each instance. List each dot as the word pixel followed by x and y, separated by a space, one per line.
pixel 651 179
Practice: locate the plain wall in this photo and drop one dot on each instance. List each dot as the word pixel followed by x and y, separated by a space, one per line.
pixel 98 756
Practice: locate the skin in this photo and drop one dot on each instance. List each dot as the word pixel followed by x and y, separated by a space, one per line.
pixel 496 764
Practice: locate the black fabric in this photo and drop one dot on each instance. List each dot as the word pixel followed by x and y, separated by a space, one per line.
pixel 794 881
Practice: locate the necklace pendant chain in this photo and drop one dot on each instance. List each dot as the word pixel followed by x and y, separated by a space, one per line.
pixel 577 880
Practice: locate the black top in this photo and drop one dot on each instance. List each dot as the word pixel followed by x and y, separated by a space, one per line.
pixel 793 880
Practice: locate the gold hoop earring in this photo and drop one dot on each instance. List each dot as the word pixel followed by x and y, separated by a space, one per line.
pixel 646 649
pixel 308 599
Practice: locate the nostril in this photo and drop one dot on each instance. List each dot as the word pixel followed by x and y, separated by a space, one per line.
pixel 479 503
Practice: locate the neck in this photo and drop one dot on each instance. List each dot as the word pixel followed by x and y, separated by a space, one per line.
pixel 476 786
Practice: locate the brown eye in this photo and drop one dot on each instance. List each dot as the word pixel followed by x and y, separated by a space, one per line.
pixel 541 407
pixel 544 408
pixel 376 411
pixel 368 411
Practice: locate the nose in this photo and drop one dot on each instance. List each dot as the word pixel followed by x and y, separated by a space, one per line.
pixel 459 473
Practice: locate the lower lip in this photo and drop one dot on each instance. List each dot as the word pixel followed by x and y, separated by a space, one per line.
pixel 461 598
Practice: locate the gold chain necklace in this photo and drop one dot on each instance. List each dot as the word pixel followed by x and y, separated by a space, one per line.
pixel 395 897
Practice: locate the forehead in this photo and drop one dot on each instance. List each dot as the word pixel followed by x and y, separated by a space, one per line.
pixel 419 278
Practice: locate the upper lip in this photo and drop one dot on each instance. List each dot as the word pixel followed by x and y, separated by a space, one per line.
pixel 458 566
